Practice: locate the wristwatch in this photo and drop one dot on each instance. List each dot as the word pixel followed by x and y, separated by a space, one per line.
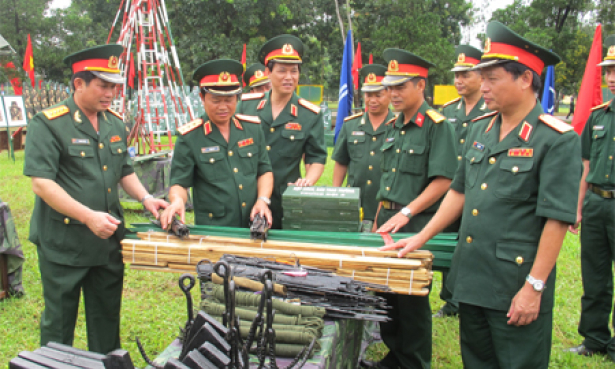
pixel 266 200
pixel 538 285
pixel 406 212
pixel 148 196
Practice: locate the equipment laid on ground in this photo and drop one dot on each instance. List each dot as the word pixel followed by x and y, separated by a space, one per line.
pixel 58 356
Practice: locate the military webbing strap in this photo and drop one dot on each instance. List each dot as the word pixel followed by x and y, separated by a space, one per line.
pixel 289 350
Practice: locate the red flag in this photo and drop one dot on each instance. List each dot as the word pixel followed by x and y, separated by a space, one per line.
pixel 357 64
pixel 371 59
pixel 131 72
pixel 9 69
pixel 40 84
pixel 590 93
pixel 243 62
pixel 28 61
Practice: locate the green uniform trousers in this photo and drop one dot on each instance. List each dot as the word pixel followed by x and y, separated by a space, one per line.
pixel 597 256
pixel 102 294
pixel 488 342
pixel 408 334
pixel 451 306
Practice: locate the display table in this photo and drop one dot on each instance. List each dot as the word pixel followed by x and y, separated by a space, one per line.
pixel 340 348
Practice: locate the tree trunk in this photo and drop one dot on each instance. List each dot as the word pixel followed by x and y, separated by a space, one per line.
pixel 339 19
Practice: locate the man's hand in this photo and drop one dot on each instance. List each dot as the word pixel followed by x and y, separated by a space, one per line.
pixel 394 224
pixel 525 306
pixel 302 182
pixel 176 207
pixel 406 245
pixel 260 207
pixel 153 205
pixel 103 225
pixel 574 228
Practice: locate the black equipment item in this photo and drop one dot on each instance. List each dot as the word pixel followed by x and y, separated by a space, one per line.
pixel 195 360
pixel 217 357
pixel 68 358
pixel 173 363
pixel 19 363
pixel 176 228
pixel 259 228
pixel 118 359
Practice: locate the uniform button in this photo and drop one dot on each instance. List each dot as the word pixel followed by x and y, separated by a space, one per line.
pixel 462 141
pixel 230 153
pixel 241 187
pixel 475 212
pixel 388 188
pixel 611 157
pixel 212 160
pixel 492 160
pixel 82 154
pixel 356 142
pixel 66 220
pixel 369 182
pixel 109 189
pixel 370 167
pixel 403 133
pixel 372 153
pixel 469 239
pixel 393 170
pixel 374 138
pixel 464 125
pixel 515 169
pixel 211 215
pixel 397 151
pixel 101 146
pixel 519 260
pixel 272 129
pixel 249 154
pixel 411 151
pixel 459 158
pixel 235 170
pixel 483 186
pixel 268 147
pixel 243 204
pixel 119 151
pixel 607 176
pixel 292 138
pixel 613 138
pixel 105 168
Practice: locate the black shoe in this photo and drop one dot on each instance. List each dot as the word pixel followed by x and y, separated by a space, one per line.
pixel 582 350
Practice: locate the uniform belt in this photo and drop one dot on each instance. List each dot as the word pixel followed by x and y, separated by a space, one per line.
pixel 390 205
pixel 607 194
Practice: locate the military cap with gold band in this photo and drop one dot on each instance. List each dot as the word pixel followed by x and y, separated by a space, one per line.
pixel 219 77
pixel 103 61
pixel 286 49
pixel 609 59
pixel 403 66
pixel 256 75
pixel 467 58
pixel 373 74
pixel 503 45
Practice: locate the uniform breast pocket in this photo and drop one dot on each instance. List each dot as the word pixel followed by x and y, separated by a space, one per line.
pixel 387 157
pixel 516 178
pixel 599 144
pixel 118 150
pixel 293 143
pixel 414 159
pixel 249 159
pixel 212 165
pixel 80 158
pixel 473 159
pixel 515 260
pixel 356 146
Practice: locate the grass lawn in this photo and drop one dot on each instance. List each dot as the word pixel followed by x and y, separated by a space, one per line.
pixel 154 308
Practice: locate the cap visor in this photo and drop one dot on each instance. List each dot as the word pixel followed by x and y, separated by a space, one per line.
pixel 462 69
pixel 222 92
pixel 109 77
pixel 490 63
pixel 372 88
pixel 606 63
pixel 395 80
pixel 286 61
pixel 260 83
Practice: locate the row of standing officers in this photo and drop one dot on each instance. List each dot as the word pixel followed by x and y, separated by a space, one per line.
pixel 498 170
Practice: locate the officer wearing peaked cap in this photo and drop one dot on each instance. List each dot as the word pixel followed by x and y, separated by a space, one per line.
pixel 515 190
pixel 596 210
pixel 256 78
pixel 76 156
pixel 293 126
pixel 221 155
pixel 418 164
pixel 357 152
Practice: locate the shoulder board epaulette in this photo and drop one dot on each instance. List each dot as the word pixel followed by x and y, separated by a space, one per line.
pixel 190 126
pixel 352 116
pixel 248 118
pixel 391 121
pixel 555 123
pixel 58 111
pixel 451 102
pixel 601 106
pixel 116 114
pixel 435 116
pixel 308 105
pixel 484 116
pixel 252 96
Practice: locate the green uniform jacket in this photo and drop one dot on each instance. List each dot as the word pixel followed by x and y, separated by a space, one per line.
pixel 455 112
pixel 223 174
pixel 511 188
pixel 63 147
pixel 298 130
pixel 356 142
pixel 415 153
pixel 598 146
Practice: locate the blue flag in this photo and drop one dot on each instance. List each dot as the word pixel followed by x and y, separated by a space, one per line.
pixel 548 95
pixel 344 107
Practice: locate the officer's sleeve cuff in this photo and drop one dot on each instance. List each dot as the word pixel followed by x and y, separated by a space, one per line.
pixel 459 187
pixel 127 171
pixel 557 214
pixel 183 184
pixel 340 160
pixel 40 174
pixel 440 172
pixel 322 161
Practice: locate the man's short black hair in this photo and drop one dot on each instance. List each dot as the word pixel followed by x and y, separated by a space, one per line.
pixel 271 63
pixel 517 69
pixel 86 76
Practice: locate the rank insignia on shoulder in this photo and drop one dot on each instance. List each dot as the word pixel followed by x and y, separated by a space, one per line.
pixel 309 106
pixel 601 106
pixel 294 111
pixel 116 114
pixel 526 131
pixel 246 142
pixel 484 116
pixel 451 102
pixel 556 124
pixel 252 96
pixel 53 113
pixel 248 118
pixel 390 139
pixel 261 105
pixel 115 139
pixel 478 146
pixel 521 152
pixel 435 116
pixel 598 128
pixel 210 149
pixel 80 141
pixel 190 126
pixel 350 117
pixel 358 133
pixel 293 126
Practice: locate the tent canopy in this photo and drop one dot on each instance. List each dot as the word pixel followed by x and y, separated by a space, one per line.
pixel 5 48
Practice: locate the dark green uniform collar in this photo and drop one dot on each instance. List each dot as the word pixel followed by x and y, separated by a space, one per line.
pixel 479 109
pixel 285 116
pixel 365 123
pixel 520 135
pixel 83 123
pixel 418 119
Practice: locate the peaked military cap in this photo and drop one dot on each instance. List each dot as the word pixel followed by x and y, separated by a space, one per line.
pixel 609 59
pixel 467 58
pixel 373 74
pixel 219 77
pixel 256 75
pixel 282 49
pixel 504 45
pixel 403 66
pixel 103 61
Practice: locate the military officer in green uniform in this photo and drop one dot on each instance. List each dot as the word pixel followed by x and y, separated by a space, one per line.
pixel 76 156
pixel 256 78
pixel 515 190
pixel 460 112
pixel 595 208
pixel 357 152
pixel 418 164
pixel 293 127
pixel 221 155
